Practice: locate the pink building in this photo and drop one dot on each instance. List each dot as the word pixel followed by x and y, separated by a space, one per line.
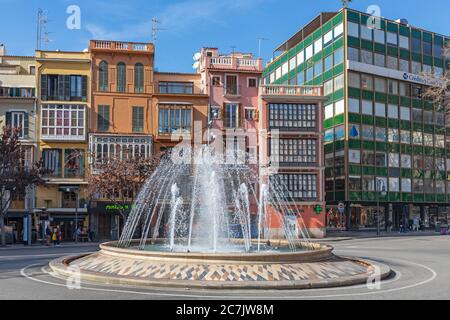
pixel 232 82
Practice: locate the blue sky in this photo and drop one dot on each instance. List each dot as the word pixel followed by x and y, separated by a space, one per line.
pixel 191 24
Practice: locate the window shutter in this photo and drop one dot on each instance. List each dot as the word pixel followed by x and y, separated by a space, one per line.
pixel 26 124
pixel 67 93
pixel 44 84
pixel 84 88
pixel 61 87
pixel 8 119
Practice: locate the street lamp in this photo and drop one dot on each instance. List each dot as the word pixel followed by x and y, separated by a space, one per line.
pixel 380 188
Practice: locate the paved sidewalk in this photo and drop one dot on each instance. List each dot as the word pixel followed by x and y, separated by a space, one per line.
pixel 336 235
pixel 19 246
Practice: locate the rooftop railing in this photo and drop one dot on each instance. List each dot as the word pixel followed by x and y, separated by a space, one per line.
pixel 121 46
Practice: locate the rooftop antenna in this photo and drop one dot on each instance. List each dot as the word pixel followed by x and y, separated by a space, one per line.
pixel 155 29
pixel 345 3
pixel 260 40
pixel 233 49
pixel 42 32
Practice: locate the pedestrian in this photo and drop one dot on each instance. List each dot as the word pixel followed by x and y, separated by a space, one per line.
pixel 48 234
pixel 54 237
pixel 58 236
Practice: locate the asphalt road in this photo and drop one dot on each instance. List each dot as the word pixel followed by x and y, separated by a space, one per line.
pixel 421 266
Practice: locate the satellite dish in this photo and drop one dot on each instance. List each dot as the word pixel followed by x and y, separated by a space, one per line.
pixel 197 56
pixel 196 65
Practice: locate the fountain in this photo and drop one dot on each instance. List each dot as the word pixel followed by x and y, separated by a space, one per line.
pixel 200 222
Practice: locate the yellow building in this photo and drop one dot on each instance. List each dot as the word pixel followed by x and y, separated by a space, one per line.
pixel 63 91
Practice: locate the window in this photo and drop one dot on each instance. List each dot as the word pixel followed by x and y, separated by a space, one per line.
pixel 366 33
pixel 406 185
pixel 392 111
pixel 32 70
pixel 329 135
pixel 379 36
pixel 416 91
pixel 292 116
pixel 328 87
pixel 354 80
pixel 406 161
pixel 318 46
pixel 339 133
pixel 418 186
pixel 417 115
pixel 353 54
pixel 301 78
pixel 380 110
pixel 418 162
pixel 428 117
pixel 380 85
pixel 318 68
pixel 367 132
pixel 439 141
pixel 394 160
pixel 18 120
pixel 405 113
pixel 174 118
pixel 339 107
pixel 404 65
pixel 103 79
pixel 416 67
pixel 339 56
pixel 404 42
pixel 392 62
pixel 354 156
pixel 366 82
pixel 120 147
pixel 416 45
pixel 380 134
pixel 308 52
pixel 392 38
pixel 231 115
pixel 278 73
pixel 354 183
pixel 367 107
pixel 309 74
pixel 139 78
pixel 380 60
pixel 368 184
pixel 393 87
pixel 187 87
pixel 353 29
pixel 52 162
pixel 367 157
pixel 329 112
pixel 380 159
pixel 63 122
pixel 417 138
pixel 328 38
pixel 339 82
pixel 294 151
pixel 393 135
pixel 297 186
pixel 252 82
pixel 437 49
pixel 394 184
pixel 405 137
pixel 121 77
pixel 73 163
pixel 328 62
pixel 338 30
pixel 63 87
pixel 138 119
pixel 354 131
pixel 249 114
pixel 300 57
pixel 285 68
pixel 353 105
pixel 292 64
pixel 103 118
pixel 405 89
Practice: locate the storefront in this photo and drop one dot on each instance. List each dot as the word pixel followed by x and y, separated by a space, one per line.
pixel 106 220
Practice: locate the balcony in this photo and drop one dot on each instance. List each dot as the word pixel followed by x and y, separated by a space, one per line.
pixel 288 93
pixel 236 64
pixel 118 46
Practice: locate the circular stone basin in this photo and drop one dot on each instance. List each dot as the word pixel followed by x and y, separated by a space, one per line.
pixel 311 266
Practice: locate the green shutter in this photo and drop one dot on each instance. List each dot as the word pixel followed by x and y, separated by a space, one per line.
pixel 26 124
pixel 84 84
pixel 8 119
pixel 44 84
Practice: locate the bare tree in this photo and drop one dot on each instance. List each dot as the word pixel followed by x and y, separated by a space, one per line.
pixel 439 92
pixel 15 174
pixel 119 181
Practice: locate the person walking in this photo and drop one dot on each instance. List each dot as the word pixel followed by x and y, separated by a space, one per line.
pixel 48 234
pixel 54 237
pixel 58 236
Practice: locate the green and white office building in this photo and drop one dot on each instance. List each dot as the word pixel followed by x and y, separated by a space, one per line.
pixel 387 150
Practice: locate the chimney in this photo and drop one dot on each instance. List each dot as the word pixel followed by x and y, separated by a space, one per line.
pixel 2 50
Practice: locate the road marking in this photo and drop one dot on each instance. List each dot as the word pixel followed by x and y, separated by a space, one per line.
pixel 430 279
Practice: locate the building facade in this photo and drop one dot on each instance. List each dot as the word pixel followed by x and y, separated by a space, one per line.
pixel 18 110
pixel 386 148
pixel 63 102
pixel 121 122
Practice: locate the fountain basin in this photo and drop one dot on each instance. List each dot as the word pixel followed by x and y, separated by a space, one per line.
pixel 314 267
